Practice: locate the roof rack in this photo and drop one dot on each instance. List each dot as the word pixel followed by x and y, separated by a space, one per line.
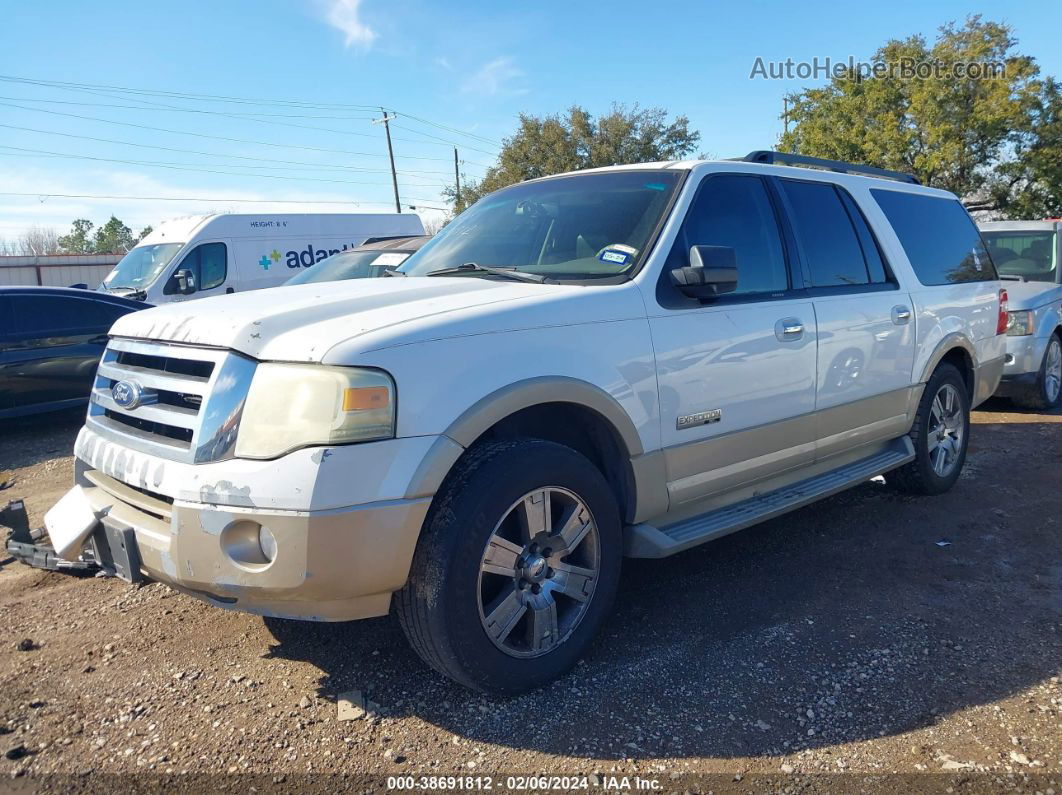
pixel 786 159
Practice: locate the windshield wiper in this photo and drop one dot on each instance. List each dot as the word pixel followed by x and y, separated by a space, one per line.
pixel 392 272
pixel 505 273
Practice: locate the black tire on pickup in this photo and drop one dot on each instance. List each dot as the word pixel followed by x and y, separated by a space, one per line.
pixel 1046 393
pixel 516 567
pixel 941 435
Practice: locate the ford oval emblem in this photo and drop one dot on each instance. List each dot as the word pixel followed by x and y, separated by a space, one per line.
pixel 127 394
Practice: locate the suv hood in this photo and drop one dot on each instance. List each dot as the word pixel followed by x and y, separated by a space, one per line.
pixel 1031 295
pixel 303 322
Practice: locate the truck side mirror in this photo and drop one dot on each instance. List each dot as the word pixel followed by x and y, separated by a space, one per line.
pixel 185 281
pixel 712 271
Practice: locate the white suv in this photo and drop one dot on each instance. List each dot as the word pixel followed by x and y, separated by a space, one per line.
pixel 625 361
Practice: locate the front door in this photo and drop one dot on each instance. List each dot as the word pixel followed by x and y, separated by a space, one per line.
pixel 209 265
pixel 736 374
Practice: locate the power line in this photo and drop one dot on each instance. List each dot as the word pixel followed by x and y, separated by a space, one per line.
pixel 211 171
pixel 89 87
pixel 212 137
pixel 171 148
pixel 307 167
pixel 43 195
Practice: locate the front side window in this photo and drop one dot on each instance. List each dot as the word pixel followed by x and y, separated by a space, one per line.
pixel 208 264
pixel 584 226
pixel 938 236
pixel 1029 255
pixel 735 211
pixel 141 266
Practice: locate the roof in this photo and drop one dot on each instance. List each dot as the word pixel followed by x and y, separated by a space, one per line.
pixel 75 292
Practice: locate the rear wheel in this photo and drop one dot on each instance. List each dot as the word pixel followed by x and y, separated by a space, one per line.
pixel 940 435
pixel 516 569
pixel 1047 390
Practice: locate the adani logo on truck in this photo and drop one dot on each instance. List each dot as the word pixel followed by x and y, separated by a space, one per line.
pixel 303 258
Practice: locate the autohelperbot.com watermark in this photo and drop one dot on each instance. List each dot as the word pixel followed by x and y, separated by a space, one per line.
pixel 905 68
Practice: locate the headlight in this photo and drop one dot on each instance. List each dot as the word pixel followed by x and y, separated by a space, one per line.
pixel 300 405
pixel 1020 323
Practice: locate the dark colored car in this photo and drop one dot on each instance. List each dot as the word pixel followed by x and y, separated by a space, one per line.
pixel 367 261
pixel 51 339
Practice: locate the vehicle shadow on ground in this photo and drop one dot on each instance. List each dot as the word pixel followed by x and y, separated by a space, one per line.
pixel 26 441
pixel 868 614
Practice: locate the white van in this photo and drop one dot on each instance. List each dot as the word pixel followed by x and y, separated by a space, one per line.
pixel 202 255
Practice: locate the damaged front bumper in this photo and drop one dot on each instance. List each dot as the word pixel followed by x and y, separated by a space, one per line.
pixel 324 534
pixel 31 546
pixel 332 565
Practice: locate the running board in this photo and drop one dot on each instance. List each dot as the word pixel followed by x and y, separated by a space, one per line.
pixel 647 541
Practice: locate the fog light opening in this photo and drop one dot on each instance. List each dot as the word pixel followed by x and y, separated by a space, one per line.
pixel 248 543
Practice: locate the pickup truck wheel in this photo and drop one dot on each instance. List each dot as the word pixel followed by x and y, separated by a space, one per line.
pixel 516 567
pixel 1047 390
pixel 941 434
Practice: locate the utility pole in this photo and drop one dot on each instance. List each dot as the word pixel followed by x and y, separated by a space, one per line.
pixel 391 154
pixel 785 113
pixel 457 183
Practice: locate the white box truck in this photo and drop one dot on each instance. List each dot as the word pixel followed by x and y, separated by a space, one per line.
pixel 203 255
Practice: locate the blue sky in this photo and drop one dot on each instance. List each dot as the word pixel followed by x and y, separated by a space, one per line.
pixel 471 67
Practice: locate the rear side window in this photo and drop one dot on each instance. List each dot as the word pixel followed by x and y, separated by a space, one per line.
pixel 735 211
pixel 938 236
pixel 826 234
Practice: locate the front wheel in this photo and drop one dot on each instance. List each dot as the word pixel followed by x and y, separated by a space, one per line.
pixel 516 568
pixel 941 434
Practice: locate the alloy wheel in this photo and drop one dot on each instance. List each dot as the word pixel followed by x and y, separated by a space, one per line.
pixel 1053 370
pixel 538 572
pixel 947 428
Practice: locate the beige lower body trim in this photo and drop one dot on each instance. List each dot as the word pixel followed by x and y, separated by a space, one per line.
pixel 722 463
pixel 329 566
pixel 987 376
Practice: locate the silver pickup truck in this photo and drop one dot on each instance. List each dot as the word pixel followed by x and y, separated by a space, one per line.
pixel 1027 255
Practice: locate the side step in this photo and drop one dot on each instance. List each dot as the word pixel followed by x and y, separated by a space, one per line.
pixel 646 541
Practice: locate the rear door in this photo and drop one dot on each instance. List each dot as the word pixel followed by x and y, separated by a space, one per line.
pixel 736 374
pixel 56 343
pixel 5 353
pixel 865 322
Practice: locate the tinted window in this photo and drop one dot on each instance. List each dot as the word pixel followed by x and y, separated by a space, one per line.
pixel 825 233
pixel 875 261
pixel 735 211
pixel 207 262
pixel 55 315
pixel 938 237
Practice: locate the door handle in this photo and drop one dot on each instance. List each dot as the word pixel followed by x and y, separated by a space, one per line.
pixel 788 329
pixel 901 315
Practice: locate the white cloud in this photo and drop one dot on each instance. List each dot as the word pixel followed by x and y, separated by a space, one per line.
pixel 500 76
pixel 444 63
pixel 345 16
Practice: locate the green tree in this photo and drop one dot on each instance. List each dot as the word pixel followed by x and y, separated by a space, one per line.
pixel 552 144
pixel 113 237
pixel 1029 184
pixel 147 230
pixel 79 240
pixel 950 130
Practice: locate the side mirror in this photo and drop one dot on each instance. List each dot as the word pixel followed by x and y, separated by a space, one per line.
pixel 185 281
pixel 712 271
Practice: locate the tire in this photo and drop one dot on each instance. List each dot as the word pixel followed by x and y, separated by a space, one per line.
pixel 936 441
pixel 495 602
pixel 1047 391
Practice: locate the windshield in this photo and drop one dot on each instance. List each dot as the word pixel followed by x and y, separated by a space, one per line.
pixel 578 227
pixel 350 265
pixel 1032 255
pixel 141 265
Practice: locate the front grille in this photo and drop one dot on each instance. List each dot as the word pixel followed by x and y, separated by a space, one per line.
pixel 190 398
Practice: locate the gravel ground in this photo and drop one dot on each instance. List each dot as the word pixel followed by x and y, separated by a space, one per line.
pixel 870 642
